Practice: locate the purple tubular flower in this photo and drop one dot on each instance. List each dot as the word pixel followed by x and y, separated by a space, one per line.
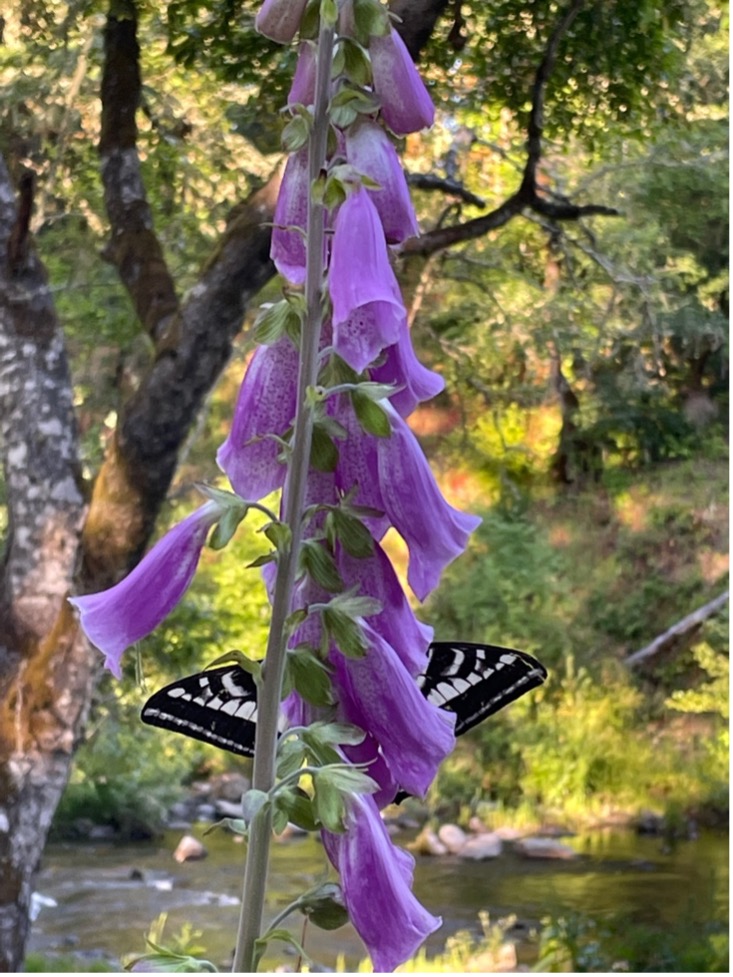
pixel 406 104
pixel 265 405
pixel 280 19
pixel 302 91
pixel 367 306
pixel 370 151
pixel 287 249
pixel 116 618
pixel 376 878
pixel 396 622
pixel 402 369
pixel 434 531
pixel 367 752
pixel 378 694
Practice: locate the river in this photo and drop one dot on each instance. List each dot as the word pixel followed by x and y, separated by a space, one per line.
pixel 108 894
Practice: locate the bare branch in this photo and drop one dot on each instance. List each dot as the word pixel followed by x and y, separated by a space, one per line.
pixel 527 196
pixel 429 181
pixel 679 630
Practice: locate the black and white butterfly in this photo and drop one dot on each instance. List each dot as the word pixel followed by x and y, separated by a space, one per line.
pixel 219 705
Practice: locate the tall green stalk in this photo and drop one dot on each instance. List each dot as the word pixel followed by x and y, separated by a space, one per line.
pixel 258 848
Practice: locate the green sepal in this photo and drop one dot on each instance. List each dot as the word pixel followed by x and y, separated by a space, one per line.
pixel 341 734
pixel 296 133
pixel 324 453
pixel 261 561
pixel 329 13
pixel 345 778
pixel 297 806
pixel 253 801
pixel 317 562
pixel 325 907
pixel 291 753
pixel 356 64
pixel 279 534
pixel 274 321
pixel 346 633
pixel 310 676
pixel 350 532
pixel 309 21
pixel 370 20
pixel 348 103
pixel 237 826
pixel 329 804
pixel 373 418
pixel 251 665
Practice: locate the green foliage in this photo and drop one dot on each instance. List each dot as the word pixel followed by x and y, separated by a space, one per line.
pixel 579 944
pixel 38 963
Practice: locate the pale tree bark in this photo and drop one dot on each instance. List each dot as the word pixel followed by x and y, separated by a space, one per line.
pixel 57 542
pixel 45 670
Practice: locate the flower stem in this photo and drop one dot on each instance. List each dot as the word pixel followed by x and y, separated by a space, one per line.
pixel 258 849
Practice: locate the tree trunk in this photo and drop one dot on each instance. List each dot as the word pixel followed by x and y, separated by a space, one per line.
pixel 45 668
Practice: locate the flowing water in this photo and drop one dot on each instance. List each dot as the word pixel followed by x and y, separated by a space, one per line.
pixel 107 894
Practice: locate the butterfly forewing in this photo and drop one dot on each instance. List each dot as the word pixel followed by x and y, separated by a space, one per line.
pixel 474 681
pixel 218 706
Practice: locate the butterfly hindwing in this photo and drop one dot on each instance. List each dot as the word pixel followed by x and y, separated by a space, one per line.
pixel 217 706
pixel 474 681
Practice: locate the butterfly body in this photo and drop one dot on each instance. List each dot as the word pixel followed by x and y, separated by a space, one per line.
pixel 219 705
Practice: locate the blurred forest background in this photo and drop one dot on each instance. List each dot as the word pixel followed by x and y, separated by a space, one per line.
pixel 582 333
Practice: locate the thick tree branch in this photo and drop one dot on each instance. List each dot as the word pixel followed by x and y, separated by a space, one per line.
pixel 133 246
pixel 429 181
pixel 527 196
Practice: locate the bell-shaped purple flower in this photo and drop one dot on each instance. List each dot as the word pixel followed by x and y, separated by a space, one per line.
pixel 434 531
pixel 303 89
pixel 378 694
pixel 396 622
pixel 376 878
pixel 406 104
pixel 367 305
pixel 280 19
pixel 402 369
pixel 370 151
pixel 116 618
pixel 265 405
pixel 287 247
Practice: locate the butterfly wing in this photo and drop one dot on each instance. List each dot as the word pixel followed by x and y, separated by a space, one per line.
pixel 217 706
pixel 474 681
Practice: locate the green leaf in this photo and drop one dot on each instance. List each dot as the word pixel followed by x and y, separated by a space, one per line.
pixel 226 527
pixel 329 12
pixel 373 418
pixel 310 676
pixel 317 562
pixel 285 937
